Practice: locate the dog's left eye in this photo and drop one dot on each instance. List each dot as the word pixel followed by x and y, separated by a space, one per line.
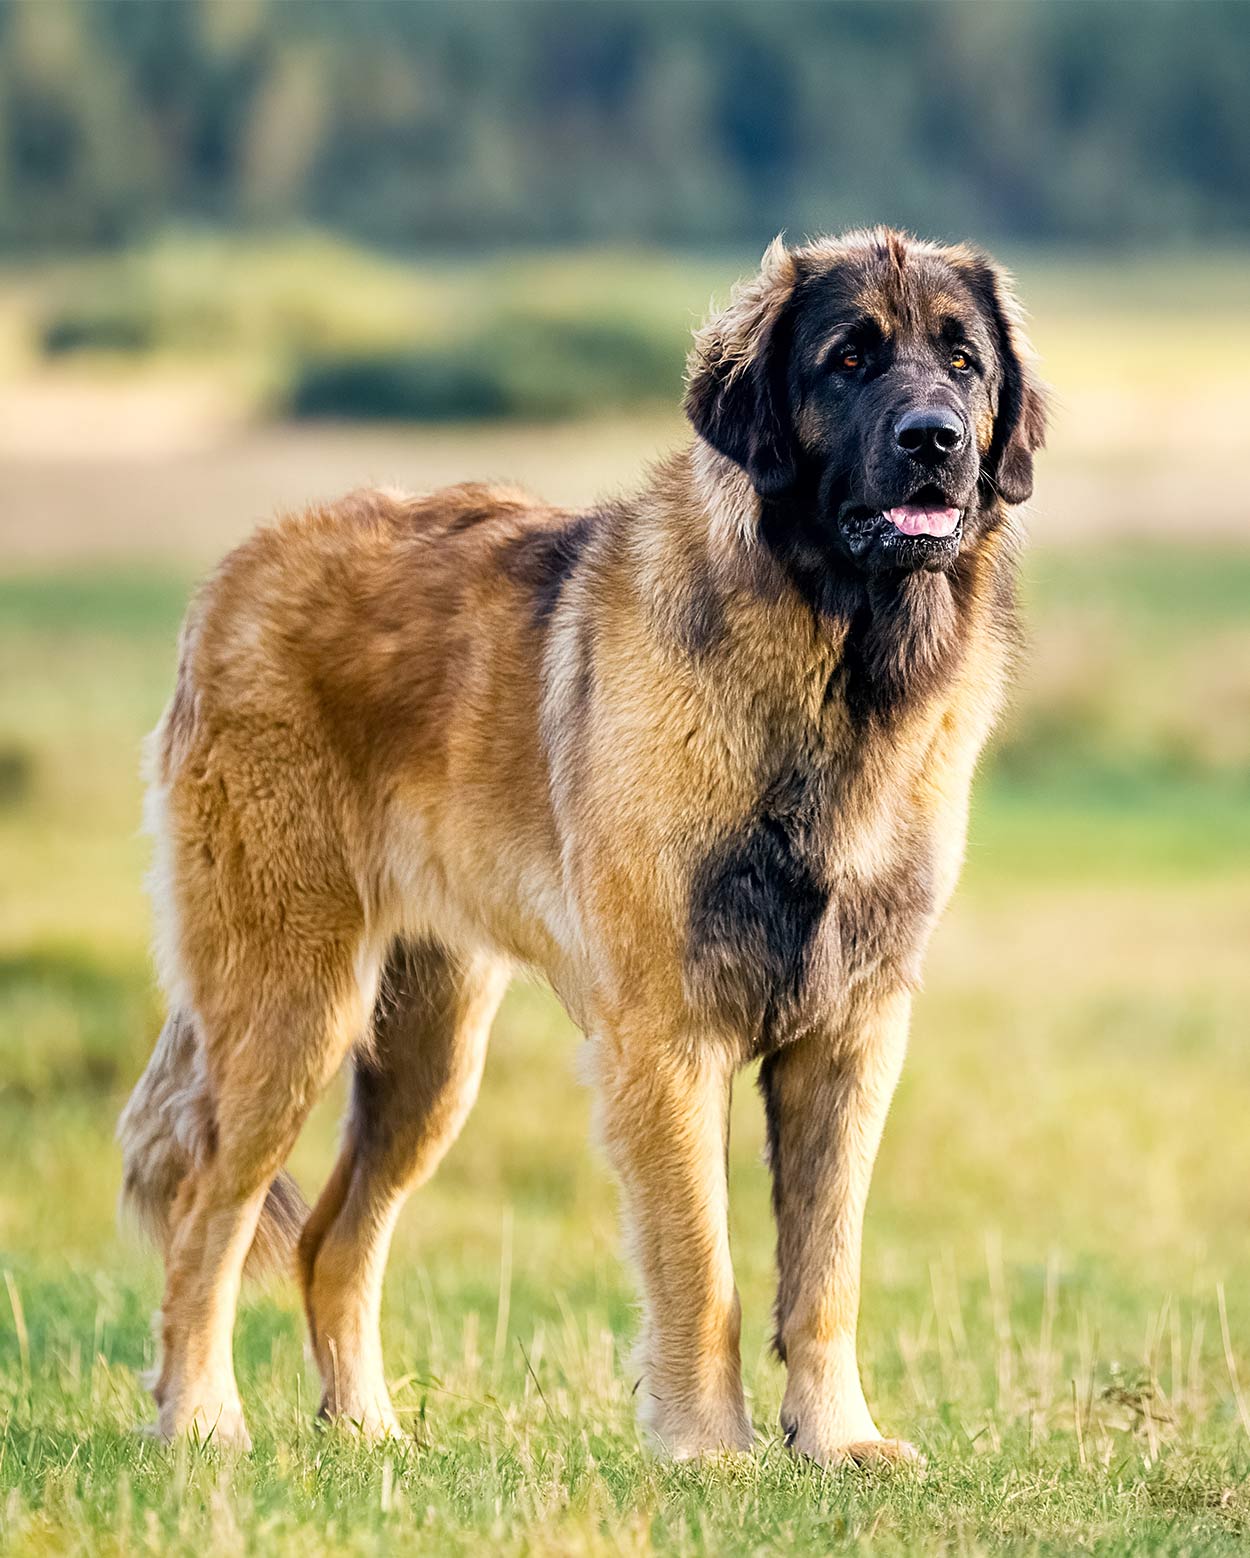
pixel 960 360
pixel 849 359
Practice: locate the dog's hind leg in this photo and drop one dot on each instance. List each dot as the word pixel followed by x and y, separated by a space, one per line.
pixel 413 1090
pixel 265 1073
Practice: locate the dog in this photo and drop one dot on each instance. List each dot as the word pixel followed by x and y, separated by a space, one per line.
pixel 701 757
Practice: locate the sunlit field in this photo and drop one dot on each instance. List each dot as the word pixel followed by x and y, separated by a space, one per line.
pixel 1057 1270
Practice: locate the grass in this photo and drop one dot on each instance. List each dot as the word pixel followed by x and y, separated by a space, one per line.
pixel 1057 1283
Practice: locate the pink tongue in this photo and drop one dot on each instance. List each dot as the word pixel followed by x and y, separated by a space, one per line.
pixel 914 520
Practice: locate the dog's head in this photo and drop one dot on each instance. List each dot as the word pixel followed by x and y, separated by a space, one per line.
pixel 878 392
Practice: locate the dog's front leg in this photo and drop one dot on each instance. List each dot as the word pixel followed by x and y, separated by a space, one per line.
pixel 826 1104
pixel 665 1119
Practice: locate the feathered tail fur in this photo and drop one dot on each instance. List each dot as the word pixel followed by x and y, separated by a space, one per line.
pixel 168 1129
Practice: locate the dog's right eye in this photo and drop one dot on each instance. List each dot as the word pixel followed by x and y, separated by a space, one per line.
pixel 848 359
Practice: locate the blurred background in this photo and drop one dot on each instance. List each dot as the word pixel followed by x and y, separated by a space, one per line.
pixel 255 254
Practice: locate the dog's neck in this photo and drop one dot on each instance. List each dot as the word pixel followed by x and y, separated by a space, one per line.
pixel 892 642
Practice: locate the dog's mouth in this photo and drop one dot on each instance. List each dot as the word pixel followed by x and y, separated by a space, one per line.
pixel 924 519
pixel 923 532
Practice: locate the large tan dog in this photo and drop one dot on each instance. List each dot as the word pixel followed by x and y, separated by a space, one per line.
pixel 702 757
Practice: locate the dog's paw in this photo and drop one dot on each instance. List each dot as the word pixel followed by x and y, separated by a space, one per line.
pixel 878 1452
pixel 692 1449
pixel 222 1426
pixel 868 1451
pixel 373 1425
pixel 700 1436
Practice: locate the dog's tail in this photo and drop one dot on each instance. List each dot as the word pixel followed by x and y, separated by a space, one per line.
pixel 169 1128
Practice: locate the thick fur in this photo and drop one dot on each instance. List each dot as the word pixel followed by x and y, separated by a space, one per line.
pixel 168 1131
pixel 683 754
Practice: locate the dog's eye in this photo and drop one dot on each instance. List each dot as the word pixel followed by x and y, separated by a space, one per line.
pixel 960 360
pixel 849 359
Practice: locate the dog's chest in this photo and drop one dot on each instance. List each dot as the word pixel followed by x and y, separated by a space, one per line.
pixel 816 894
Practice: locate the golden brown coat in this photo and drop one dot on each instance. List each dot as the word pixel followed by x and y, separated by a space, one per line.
pixel 644 750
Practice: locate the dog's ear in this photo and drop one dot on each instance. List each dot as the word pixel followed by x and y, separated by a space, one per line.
pixel 1020 423
pixel 737 394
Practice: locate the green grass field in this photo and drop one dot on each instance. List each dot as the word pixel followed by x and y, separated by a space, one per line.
pixel 1057 1269
pixel 1056 1287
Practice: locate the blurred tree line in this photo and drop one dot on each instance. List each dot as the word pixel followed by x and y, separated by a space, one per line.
pixel 478 123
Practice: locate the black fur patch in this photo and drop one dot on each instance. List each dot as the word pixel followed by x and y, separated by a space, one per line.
pixel 774 942
pixel 1020 426
pixel 543 561
pixel 745 414
pixel 906 641
pixel 757 903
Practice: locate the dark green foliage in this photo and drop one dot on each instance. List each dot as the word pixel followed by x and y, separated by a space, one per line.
pixel 545 120
pixel 430 386
pixel 522 367
pixel 97 328
pixel 17 774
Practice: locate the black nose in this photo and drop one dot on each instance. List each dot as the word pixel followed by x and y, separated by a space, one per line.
pixel 930 434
